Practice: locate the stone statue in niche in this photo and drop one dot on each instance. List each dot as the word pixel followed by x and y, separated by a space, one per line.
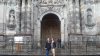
pixel 90 24
pixel 11 21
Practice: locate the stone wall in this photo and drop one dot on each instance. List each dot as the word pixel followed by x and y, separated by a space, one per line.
pixel 72 14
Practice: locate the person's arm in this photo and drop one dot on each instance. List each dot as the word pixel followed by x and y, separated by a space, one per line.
pixel 46 46
pixel 54 45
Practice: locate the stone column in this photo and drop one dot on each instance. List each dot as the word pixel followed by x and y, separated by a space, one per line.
pixel 18 19
pixel 28 16
pixel 32 17
pixel 18 16
pixel 62 32
pixel 4 20
pixel 36 23
pixel 66 21
pixel 4 16
pixel 77 17
pixel 23 17
pixel 39 32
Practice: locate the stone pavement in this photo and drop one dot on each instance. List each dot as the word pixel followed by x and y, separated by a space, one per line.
pixel 59 52
pixel 73 49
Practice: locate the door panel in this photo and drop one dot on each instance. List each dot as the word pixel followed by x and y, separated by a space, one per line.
pixel 50 28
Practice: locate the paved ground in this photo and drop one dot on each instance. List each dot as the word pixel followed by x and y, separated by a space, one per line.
pixel 80 49
pixel 58 53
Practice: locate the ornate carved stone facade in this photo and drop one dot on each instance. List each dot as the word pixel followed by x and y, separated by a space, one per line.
pixel 78 18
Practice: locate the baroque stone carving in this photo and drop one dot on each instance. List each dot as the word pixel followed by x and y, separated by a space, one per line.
pixel 90 24
pixel 58 9
pixel 43 9
pixel 11 21
pixel 51 2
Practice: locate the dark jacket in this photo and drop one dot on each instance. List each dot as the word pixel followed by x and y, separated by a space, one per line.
pixel 54 45
pixel 48 46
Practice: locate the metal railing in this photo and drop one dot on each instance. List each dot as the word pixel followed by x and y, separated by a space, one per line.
pixel 71 47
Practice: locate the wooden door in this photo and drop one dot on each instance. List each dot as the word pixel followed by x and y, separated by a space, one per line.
pixel 50 28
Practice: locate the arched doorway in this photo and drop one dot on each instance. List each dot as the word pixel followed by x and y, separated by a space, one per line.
pixel 50 27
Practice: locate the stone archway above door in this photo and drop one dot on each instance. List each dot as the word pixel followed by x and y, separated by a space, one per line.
pixel 38 34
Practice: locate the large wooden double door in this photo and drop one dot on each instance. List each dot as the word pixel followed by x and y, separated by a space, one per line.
pixel 50 28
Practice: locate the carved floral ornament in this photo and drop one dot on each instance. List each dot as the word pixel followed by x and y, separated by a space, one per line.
pixel 51 8
pixel 51 2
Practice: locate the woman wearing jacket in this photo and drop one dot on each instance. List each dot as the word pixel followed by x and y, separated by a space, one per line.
pixel 53 46
pixel 48 46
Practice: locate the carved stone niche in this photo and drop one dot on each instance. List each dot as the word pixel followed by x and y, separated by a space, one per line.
pixel 90 24
pixel 11 21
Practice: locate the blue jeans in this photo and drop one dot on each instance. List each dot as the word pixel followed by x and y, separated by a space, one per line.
pixel 47 52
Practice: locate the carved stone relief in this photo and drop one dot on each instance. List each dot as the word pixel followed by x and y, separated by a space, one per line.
pixel 53 2
pixel 11 21
pixel 42 10
pixel 59 9
pixel 90 24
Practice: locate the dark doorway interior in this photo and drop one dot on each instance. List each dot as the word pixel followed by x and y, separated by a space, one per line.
pixel 50 27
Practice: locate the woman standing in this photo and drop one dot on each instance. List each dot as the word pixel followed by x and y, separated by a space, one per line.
pixel 48 46
pixel 53 46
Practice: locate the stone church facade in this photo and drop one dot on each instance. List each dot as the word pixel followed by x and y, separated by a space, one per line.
pixel 36 20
